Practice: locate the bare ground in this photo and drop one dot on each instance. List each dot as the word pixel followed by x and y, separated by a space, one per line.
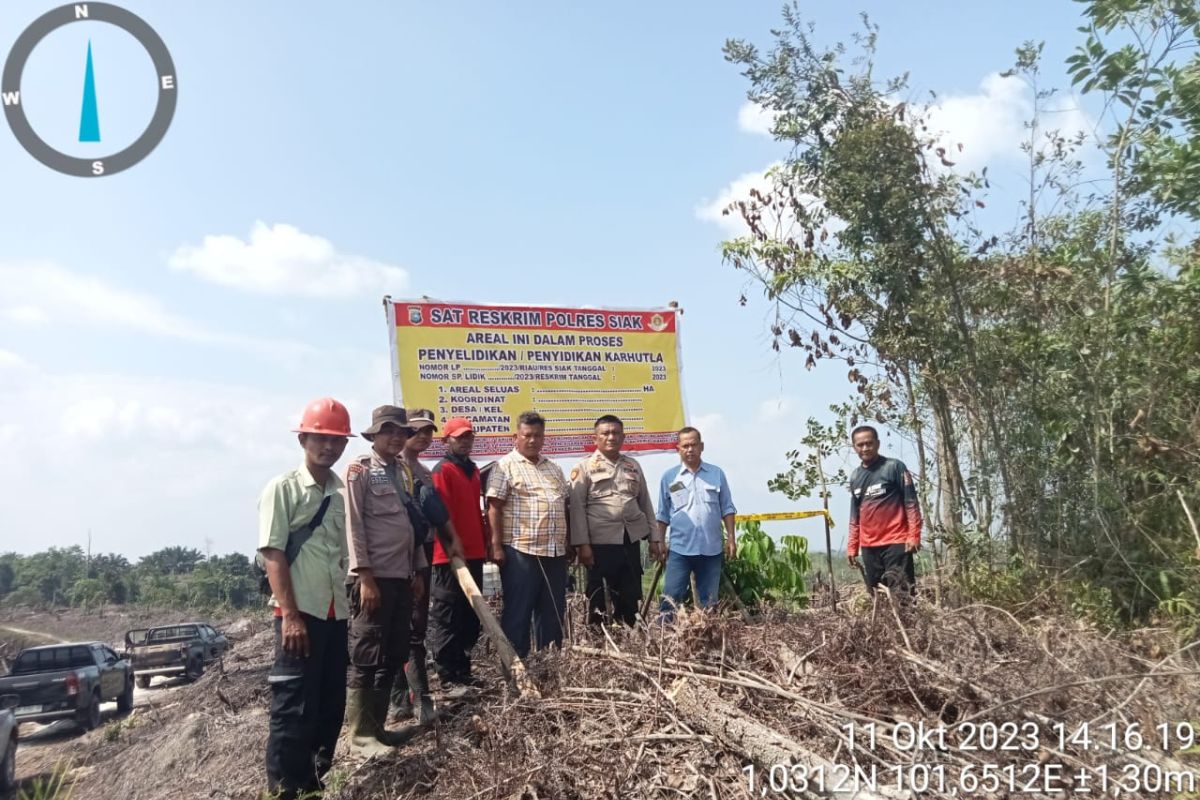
pixel 683 711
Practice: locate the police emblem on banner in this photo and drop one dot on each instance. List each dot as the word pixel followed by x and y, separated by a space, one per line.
pixel 657 323
pixel 415 315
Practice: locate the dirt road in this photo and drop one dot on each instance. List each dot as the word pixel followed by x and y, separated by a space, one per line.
pixel 43 747
pixel 28 634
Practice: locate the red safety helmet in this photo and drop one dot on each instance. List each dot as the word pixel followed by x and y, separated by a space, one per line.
pixel 326 416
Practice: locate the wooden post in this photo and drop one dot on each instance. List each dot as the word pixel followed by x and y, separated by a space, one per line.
pixel 828 544
pixel 514 667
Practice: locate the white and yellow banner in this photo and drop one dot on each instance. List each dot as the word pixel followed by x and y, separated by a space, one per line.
pixel 571 365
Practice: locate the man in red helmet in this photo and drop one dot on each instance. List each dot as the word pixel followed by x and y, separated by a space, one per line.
pixel 302 542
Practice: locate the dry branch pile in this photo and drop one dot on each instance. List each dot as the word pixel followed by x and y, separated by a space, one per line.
pixel 681 711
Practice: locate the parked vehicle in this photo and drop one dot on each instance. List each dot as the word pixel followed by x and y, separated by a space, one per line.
pixel 8 742
pixel 70 680
pixel 182 649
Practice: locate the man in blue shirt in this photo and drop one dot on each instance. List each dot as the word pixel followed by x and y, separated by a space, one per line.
pixel 694 503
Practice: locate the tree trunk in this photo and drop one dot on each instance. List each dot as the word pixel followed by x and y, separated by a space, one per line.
pixel 705 709
pixel 950 482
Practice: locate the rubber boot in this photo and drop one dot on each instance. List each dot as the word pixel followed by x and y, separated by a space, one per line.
pixel 364 730
pixel 401 706
pixel 418 680
pixel 379 710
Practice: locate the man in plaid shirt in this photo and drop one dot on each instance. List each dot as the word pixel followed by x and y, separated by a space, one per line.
pixel 527 512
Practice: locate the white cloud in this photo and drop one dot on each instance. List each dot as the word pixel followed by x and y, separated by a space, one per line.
pixel 739 189
pixel 10 360
pixel 281 259
pixel 779 223
pixel 47 292
pixel 188 457
pixel 27 315
pixel 990 124
pixel 753 118
pixel 59 293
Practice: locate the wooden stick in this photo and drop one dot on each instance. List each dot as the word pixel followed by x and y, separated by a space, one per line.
pixel 653 587
pixel 1191 520
pixel 514 667
pixel 654 737
pixel 705 672
pixel 737 601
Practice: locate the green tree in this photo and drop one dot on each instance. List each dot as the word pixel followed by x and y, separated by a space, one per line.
pixel 8 572
pixel 1043 373
pixel 115 574
pixel 171 561
pixel 88 593
pixel 52 573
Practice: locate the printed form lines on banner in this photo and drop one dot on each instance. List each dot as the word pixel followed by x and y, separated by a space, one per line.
pixel 570 404
pixel 553 420
pixel 585 392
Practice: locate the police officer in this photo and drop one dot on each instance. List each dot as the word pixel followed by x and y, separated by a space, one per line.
pixel 385 563
pixel 611 512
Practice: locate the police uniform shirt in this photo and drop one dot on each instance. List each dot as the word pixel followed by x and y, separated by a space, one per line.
pixel 379 533
pixel 609 499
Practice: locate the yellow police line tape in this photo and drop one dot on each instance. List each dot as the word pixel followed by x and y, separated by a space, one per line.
pixel 783 515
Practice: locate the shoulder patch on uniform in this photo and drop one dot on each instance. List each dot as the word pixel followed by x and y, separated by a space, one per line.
pixel 575 473
pixel 354 471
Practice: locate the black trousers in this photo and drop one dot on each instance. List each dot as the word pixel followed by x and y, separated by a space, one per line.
pixel 535 592
pixel 379 641
pixel 420 612
pixel 308 703
pixel 891 566
pixel 619 568
pixel 453 625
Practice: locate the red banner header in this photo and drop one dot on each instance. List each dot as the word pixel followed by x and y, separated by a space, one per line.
pixel 459 315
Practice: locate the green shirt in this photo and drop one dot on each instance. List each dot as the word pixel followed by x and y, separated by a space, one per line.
pixel 290 502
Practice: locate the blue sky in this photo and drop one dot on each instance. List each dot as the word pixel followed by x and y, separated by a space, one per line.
pixel 161 329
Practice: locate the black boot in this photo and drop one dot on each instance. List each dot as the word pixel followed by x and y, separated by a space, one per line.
pixel 418 681
pixel 401 704
pixel 379 710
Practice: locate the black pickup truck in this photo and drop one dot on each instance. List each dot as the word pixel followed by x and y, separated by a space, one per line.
pixel 69 680
pixel 182 649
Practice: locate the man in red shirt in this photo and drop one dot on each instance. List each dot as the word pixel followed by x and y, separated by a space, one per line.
pixel 885 517
pixel 453 626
